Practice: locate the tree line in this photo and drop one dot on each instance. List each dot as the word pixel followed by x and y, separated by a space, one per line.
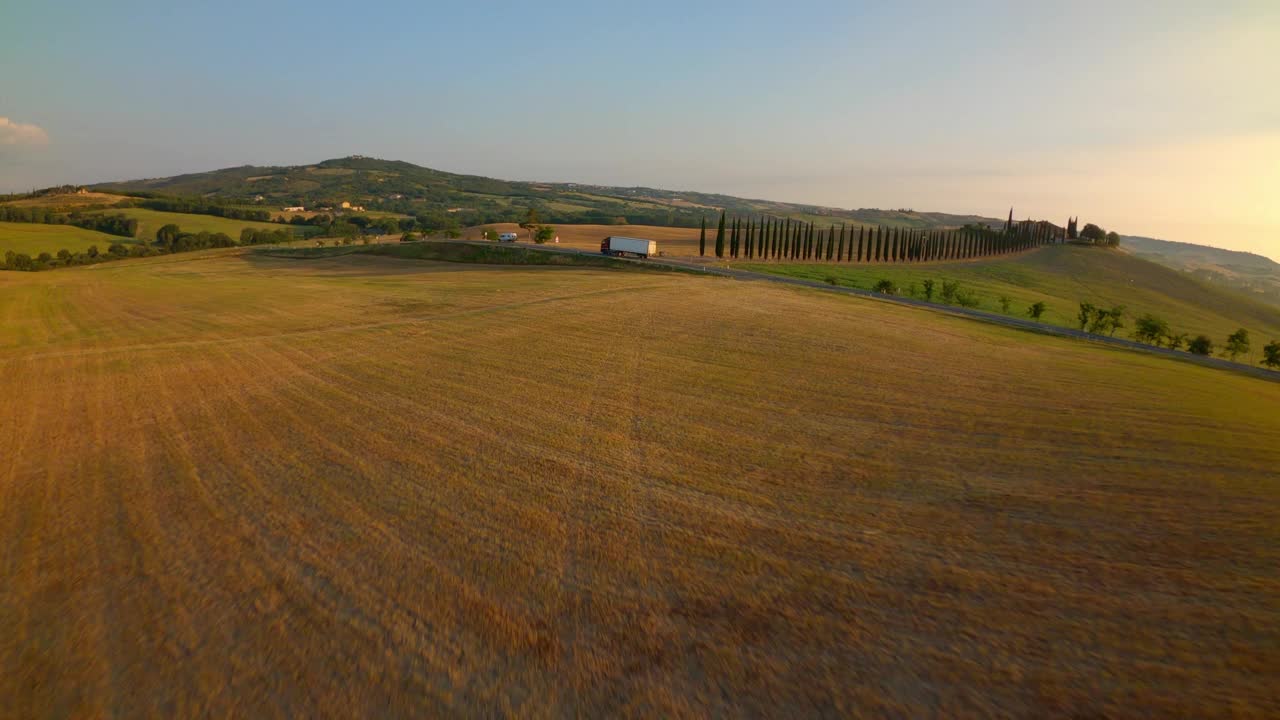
pixel 200 207
pixel 768 238
pixel 116 224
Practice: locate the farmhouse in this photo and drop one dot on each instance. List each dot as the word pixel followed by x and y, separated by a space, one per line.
pixel 297 208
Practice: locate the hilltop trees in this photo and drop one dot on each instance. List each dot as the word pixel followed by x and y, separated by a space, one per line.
pixel 1093 233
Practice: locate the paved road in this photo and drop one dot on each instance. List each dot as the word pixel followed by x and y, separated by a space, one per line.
pixel 994 318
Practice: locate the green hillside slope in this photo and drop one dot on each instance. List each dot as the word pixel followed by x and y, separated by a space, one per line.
pixel 33 239
pixel 1063 276
pixel 401 187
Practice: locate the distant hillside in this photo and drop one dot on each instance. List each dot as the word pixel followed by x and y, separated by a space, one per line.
pixel 401 187
pixel 1252 274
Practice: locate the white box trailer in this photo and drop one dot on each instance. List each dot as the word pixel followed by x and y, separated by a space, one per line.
pixel 618 246
pixel 507 237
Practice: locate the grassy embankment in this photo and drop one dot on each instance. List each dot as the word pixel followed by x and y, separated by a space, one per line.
pixel 1063 277
pixel 500 490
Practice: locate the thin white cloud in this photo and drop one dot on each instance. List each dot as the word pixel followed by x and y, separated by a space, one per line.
pixel 16 133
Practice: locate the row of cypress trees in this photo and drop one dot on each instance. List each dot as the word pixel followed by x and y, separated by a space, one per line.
pixel 767 238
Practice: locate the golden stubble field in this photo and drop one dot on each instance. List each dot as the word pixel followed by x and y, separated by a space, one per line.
pixel 239 486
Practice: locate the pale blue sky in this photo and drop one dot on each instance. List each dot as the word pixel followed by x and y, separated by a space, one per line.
pixel 1157 118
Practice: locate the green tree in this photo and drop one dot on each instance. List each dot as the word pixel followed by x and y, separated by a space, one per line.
pixel 1271 354
pixel 489 234
pixel 1005 302
pixel 168 235
pixel 1237 344
pixel 1113 239
pixel 1037 309
pixel 1086 314
pixel 1200 345
pixel 1150 329
pixel 702 239
pixel 64 256
pixel 928 290
pixel 530 221
pixel 118 249
pixel 1115 319
pixel 1093 233
pixel 886 287
pixel 544 234
pixel 720 236
pixel 1175 341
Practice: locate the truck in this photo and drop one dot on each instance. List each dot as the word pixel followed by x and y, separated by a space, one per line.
pixel 618 246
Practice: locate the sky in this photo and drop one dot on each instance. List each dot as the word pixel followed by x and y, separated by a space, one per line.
pixel 1157 118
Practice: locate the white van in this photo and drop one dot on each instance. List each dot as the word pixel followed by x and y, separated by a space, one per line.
pixel 507 237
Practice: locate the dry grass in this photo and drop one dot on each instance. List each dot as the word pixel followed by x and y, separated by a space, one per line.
pixel 236 485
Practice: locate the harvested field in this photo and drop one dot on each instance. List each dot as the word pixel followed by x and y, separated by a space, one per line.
pixel 237 485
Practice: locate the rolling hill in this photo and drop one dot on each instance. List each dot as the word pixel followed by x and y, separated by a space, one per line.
pixel 1250 273
pixel 401 187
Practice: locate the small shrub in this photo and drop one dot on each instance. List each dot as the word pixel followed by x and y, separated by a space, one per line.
pixel 1005 302
pixel 928 290
pixel 831 280
pixel 886 287
pixel 1200 345
pixel 967 298
pixel 949 290
pixel 1037 309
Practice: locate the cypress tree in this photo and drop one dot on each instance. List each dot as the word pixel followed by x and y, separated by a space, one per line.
pixel 795 240
pixel 733 239
pixel 840 247
pixel 751 239
pixel 702 239
pixel 720 237
pixel 879 241
pixel 862 234
pixel 773 241
pixel 809 243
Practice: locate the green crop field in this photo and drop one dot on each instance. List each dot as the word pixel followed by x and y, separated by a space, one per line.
pixel 1063 276
pixel 244 485
pixel 149 221
pixel 35 238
